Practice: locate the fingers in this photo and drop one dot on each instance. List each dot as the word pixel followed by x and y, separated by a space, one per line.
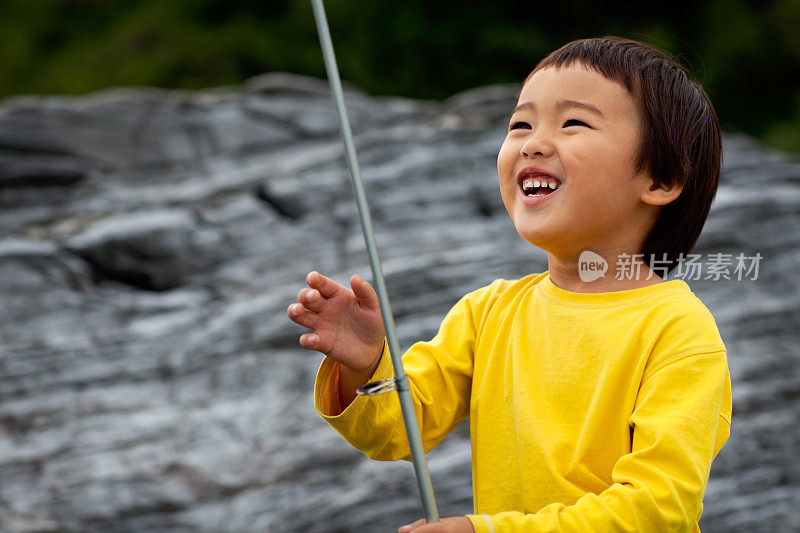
pixel 410 527
pixel 311 299
pixel 309 341
pixel 299 314
pixel 365 294
pixel 309 310
pixel 327 287
pixel 320 289
pixel 310 302
pixel 453 524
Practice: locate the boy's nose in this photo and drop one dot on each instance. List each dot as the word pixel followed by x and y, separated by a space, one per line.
pixel 534 146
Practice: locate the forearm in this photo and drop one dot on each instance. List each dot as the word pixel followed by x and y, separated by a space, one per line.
pixel 621 508
pixel 439 376
pixel 370 424
pixel 374 424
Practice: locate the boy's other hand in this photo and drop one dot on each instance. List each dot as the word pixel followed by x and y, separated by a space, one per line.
pixel 346 323
pixel 454 524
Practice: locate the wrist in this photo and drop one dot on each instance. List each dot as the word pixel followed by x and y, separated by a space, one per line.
pixel 371 367
pixel 350 379
pixel 366 372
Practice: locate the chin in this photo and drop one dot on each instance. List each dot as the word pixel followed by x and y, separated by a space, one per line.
pixel 534 237
pixel 547 241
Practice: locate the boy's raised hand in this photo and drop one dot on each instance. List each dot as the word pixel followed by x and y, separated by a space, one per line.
pixel 346 323
pixel 454 524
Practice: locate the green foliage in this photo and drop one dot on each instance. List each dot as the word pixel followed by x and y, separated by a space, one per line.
pixel 746 53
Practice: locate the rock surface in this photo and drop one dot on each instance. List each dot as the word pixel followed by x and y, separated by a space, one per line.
pixel 150 242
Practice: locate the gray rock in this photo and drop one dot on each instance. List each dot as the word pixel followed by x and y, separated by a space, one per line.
pixel 151 240
pixel 39 170
pixel 154 250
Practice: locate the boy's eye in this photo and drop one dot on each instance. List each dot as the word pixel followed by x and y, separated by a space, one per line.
pixel 575 122
pixel 568 123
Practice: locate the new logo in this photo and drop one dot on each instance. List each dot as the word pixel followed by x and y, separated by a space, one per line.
pixel 591 266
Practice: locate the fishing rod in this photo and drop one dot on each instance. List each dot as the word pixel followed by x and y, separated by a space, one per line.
pixel 400 381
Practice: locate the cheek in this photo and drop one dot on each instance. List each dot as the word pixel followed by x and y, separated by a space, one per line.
pixel 506 159
pixel 598 162
pixel 506 162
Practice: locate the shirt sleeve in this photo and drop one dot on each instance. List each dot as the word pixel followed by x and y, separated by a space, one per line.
pixel 679 423
pixel 440 378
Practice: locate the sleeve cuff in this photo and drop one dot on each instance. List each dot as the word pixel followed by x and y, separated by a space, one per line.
pixel 482 523
pixel 326 387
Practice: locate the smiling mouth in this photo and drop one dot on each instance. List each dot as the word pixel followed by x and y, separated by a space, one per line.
pixel 539 187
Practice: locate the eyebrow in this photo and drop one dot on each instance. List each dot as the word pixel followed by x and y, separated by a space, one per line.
pixel 561 105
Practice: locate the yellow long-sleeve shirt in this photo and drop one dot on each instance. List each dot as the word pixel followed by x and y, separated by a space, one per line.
pixel 588 412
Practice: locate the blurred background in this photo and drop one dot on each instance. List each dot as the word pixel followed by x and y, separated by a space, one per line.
pixel 746 53
pixel 171 170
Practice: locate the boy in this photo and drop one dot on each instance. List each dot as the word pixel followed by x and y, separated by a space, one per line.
pixel 594 405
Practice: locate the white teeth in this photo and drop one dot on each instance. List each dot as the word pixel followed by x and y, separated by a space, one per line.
pixel 530 183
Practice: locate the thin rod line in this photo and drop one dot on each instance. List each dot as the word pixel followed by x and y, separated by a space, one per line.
pixel 406 403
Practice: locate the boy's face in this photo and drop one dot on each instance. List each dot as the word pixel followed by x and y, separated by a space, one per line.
pixel 590 153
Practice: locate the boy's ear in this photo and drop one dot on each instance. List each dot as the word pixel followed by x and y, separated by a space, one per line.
pixel 661 194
